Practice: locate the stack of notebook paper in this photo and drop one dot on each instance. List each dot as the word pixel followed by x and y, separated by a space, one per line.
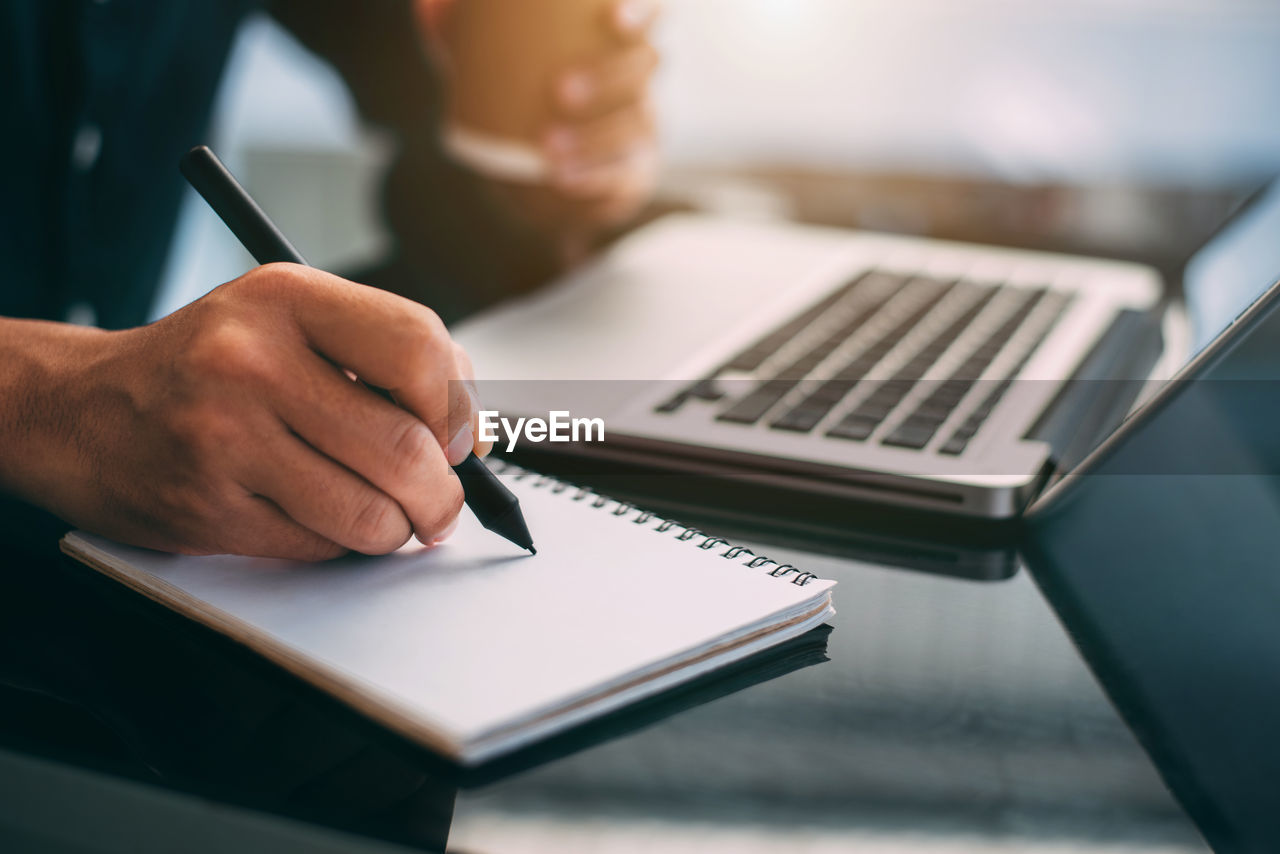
pixel 475 648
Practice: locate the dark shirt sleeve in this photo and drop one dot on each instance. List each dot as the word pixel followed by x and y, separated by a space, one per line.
pixel 455 248
pixel 100 101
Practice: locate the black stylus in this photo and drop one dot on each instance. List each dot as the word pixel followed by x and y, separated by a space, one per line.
pixel 494 505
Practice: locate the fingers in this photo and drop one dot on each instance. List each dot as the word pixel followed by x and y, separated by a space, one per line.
pixel 326 498
pixel 356 469
pixel 468 370
pixel 614 156
pixel 387 341
pixel 261 529
pixel 608 84
pixel 631 19
pixel 601 142
pixel 607 138
pixel 389 448
pixel 463 360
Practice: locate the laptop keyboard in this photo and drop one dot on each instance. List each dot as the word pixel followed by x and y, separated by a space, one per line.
pixel 865 348
pixel 752 408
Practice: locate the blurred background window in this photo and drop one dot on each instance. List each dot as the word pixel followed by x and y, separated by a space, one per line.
pixel 1171 91
pixel 1120 127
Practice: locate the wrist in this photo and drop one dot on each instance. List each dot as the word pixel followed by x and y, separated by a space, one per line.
pixel 41 365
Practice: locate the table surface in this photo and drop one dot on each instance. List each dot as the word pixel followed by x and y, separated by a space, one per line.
pixel 952 715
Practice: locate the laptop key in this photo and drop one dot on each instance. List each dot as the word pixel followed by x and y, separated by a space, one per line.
pixel 805 416
pixel 703 389
pixel 913 433
pixel 855 427
pixel 802 419
pixel 880 404
pixel 752 408
pixel 934 410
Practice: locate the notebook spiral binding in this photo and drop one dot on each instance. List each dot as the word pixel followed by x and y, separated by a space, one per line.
pixel 660 525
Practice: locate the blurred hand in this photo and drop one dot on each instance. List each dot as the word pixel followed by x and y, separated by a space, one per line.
pixel 600 138
pixel 234 424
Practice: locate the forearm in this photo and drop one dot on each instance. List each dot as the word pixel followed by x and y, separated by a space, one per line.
pixel 37 361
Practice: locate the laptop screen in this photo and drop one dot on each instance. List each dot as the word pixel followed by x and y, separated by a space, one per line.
pixel 1160 552
pixel 1234 268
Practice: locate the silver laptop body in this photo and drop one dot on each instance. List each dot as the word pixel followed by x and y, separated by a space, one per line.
pixel 897 370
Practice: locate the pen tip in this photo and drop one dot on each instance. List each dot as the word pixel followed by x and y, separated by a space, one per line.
pixel 532 550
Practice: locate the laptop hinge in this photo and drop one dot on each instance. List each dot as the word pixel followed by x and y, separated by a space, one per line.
pixel 1091 404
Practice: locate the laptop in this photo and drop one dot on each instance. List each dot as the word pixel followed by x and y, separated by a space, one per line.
pixel 818 368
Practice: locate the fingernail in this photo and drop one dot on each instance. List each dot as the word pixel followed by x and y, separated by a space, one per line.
pixel 446 533
pixel 460 445
pixel 634 14
pixel 575 89
pixel 482 448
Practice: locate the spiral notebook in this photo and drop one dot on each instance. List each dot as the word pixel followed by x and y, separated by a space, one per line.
pixel 474 648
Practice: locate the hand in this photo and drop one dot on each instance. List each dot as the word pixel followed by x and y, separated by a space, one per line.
pixel 235 425
pixel 600 137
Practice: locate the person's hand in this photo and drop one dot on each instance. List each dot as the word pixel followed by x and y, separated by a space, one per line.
pixel 600 137
pixel 235 425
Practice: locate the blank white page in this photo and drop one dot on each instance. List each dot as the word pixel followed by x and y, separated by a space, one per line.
pixel 476 635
